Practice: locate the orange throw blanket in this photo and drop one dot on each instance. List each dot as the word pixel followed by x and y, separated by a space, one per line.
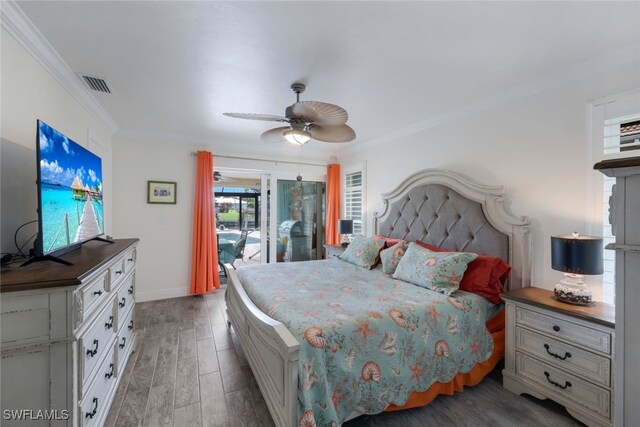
pixel 496 328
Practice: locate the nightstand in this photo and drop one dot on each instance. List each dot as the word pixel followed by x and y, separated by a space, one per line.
pixel 562 352
pixel 334 250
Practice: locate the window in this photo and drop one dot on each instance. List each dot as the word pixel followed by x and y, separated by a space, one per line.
pixel 354 200
pixel 622 134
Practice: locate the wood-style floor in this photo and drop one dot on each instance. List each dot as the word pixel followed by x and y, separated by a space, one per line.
pixel 190 371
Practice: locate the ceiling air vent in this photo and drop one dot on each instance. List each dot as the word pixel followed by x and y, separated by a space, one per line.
pixel 96 84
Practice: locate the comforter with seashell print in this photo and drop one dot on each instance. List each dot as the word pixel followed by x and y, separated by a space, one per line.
pixel 367 340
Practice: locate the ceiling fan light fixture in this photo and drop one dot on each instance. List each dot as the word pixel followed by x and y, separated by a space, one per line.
pixel 306 120
pixel 297 136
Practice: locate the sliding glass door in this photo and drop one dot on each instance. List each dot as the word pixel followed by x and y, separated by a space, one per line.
pixel 293 213
pixel 299 216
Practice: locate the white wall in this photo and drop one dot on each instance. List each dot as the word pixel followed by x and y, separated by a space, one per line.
pixel 29 92
pixel 165 231
pixel 536 147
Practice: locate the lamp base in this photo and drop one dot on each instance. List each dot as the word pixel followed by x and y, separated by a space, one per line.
pixel 572 290
pixel 344 242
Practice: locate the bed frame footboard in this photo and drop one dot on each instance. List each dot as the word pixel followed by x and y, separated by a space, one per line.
pixel 271 350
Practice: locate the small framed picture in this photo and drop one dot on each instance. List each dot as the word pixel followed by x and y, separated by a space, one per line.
pixel 161 192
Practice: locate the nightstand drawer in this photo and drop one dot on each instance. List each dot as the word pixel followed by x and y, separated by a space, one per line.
pixel 565 386
pixel 563 330
pixel 565 356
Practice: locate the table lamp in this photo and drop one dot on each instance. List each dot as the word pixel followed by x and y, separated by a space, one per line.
pixel 576 255
pixel 345 227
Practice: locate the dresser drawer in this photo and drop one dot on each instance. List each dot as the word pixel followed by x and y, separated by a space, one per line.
pixel 564 385
pixel 124 298
pixel 130 261
pixel 124 345
pixel 92 293
pixel 565 356
pixel 95 401
pixel 116 273
pixel 95 342
pixel 590 338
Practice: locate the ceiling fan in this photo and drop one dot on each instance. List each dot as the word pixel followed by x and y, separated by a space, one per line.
pixel 307 120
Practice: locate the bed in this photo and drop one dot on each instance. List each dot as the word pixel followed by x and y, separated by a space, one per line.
pixel 442 208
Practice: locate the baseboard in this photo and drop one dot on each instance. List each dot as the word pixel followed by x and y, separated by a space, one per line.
pixel 162 294
pixel 166 294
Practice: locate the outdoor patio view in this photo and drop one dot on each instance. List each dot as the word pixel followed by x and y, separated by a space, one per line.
pixel 300 223
pixel 237 210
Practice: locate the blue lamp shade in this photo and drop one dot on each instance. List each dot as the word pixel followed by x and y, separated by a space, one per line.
pixel 577 254
pixel 345 226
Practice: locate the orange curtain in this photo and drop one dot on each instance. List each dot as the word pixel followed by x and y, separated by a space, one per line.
pixel 333 204
pixel 204 257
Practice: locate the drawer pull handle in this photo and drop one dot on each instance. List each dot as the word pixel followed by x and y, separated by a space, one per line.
pixel 123 302
pixel 124 341
pixel 131 325
pixel 110 374
pixel 119 272
pixel 95 409
pixel 557 356
pixel 130 290
pixel 130 259
pixel 95 349
pixel 566 383
pixel 556 328
pixel 109 324
pixel 98 293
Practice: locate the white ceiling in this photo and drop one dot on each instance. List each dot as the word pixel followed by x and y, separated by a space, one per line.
pixel 175 67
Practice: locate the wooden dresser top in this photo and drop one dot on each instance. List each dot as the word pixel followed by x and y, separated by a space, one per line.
pixel 598 312
pixel 617 163
pixel 89 258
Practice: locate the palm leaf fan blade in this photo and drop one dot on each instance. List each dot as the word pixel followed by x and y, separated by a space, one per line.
pixel 342 133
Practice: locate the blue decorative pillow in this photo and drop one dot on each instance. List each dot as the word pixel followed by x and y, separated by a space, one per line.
pixel 363 251
pixel 438 271
pixel 391 257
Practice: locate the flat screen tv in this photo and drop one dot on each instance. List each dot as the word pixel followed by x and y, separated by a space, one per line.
pixel 70 190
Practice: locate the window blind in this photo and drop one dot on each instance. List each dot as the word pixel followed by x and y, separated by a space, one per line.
pixel 353 200
pixel 622 134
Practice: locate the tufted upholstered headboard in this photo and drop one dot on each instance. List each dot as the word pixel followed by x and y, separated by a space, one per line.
pixel 453 211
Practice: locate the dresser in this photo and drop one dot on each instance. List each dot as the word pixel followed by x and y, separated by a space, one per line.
pixel 561 352
pixel 625 224
pixel 334 250
pixel 66 335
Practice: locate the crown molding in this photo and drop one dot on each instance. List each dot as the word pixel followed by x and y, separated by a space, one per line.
pixel 588 68
pixel 20 27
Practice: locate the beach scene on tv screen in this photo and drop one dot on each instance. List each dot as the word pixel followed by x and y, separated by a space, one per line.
pixel 71 191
